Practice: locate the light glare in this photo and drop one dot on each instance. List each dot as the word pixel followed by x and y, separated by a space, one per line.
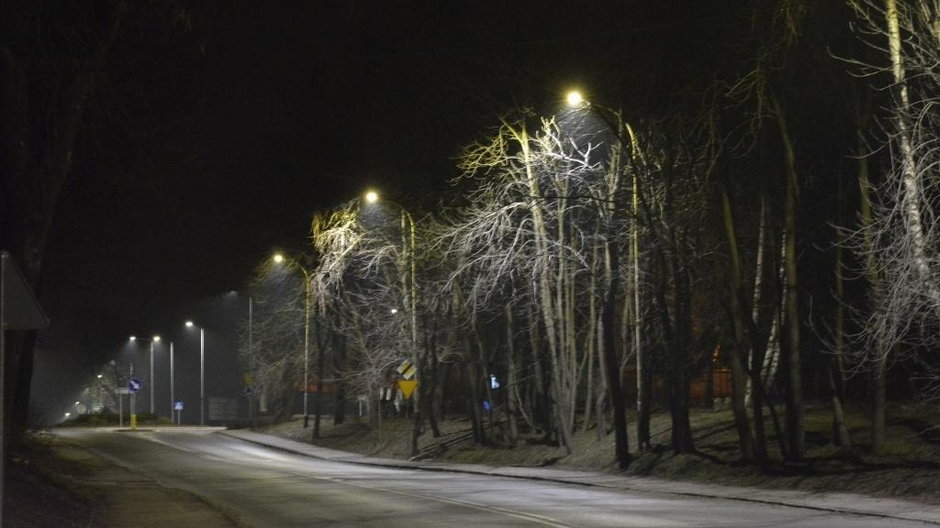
pixel 372 197
pixel 574 99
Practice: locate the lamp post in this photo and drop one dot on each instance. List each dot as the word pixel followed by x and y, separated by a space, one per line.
pixel 279 258
pixel 152 340
pixel 576 101
pixel 172 386
pixel 202 371
pixel 411 302
pixel 411 291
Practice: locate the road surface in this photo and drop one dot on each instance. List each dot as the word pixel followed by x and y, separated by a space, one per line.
pixel 257 486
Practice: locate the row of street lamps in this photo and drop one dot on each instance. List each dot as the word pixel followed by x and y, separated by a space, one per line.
pixel 574 99
pixel 202 372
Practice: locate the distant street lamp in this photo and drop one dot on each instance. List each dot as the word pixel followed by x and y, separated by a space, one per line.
pixel 279 258
pixel 202 371
pixel 154 339
pixel 172 385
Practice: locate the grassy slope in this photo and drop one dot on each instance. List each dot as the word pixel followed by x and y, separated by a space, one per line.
pixel 909 468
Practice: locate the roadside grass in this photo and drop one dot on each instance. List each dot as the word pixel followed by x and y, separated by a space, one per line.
pixel 909 467
pixel 40 490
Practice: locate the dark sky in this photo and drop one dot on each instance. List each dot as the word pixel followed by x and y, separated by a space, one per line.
pixel 219 129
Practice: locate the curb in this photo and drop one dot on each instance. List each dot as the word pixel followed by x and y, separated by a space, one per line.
pixel 903 510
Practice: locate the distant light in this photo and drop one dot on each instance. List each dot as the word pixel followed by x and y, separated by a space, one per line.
pixel 68 414
pixel 278 258
pixel 133 338
pixel 156 339
pixel 394 311
pixel 574 99
pixel 100 376
pixel 78 403
pixel 190 324
pixel 372 197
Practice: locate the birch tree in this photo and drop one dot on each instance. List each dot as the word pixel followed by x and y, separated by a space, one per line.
pixel 530 226
pixel 900 238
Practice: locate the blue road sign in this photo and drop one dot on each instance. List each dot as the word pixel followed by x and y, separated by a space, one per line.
pixel 134 384
pixel 178 406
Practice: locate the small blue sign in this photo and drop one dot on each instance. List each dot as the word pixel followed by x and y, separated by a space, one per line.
pixel 134 385
pixel 178 406
pixel 494 383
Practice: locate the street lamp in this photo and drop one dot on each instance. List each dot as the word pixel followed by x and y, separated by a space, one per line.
pixel 202 371
pixel 411 301
pixel 172 385
pixel 411 293
pixel 279 258
pixel 154 339
pixel 577 102
pixel 574 99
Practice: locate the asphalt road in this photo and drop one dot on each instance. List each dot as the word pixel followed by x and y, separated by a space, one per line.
pixel 257 486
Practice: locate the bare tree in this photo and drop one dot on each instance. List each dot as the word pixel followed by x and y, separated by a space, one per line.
pixel 276 355
pixel 532 227
pixel 899 240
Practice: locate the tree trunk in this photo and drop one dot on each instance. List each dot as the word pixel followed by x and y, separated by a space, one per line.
pixel 738 375
pixel 795 411
pixel 511 377
pixel 612 365
pixel 643 375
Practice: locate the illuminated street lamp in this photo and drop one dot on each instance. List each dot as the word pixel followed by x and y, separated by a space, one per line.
pixel 154 339
pixel 202 371
pixel 372 197
pixel 279 258
pixel 574 99
pixel 577 102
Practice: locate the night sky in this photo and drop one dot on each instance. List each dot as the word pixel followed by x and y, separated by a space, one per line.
pixel 220 127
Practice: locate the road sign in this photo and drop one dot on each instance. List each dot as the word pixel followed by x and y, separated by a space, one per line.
pixel 178 406
pixel 407 369
pixel 248 391
pixel 134 385
pixel 407 387
pixel 494 383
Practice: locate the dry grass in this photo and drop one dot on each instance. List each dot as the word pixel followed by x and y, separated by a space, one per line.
pixel 909 468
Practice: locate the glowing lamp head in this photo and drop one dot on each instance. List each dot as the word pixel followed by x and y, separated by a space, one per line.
pixel 574 99
pixel 372 197
pixel 156 339
pixel 278 258
pixel 189 324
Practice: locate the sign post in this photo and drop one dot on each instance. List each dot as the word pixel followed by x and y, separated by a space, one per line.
pixel 133 386
pixel 121 391
pixel 178 407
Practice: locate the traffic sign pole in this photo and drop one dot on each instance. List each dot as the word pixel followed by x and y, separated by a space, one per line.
pixel 133 386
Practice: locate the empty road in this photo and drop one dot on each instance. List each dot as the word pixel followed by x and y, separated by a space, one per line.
pixel 257 486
